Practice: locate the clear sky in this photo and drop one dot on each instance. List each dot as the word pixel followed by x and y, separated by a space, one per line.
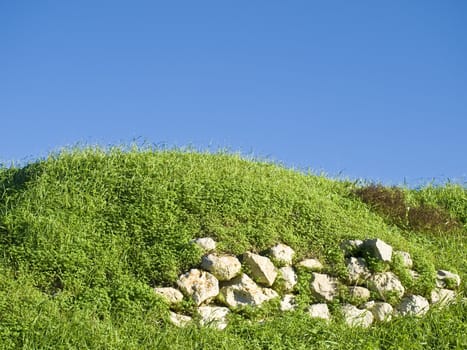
pixel 370 89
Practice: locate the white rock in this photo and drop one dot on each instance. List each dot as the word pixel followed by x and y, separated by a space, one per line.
pixel 242 290
pixel 355 317
pixel 262 269
pixel 444 278
pixel 359 293
pixel 351 246
pixel 406 258
pixel 170 294
pixel 323 286
pixel 289 277
pixel 368 305
pixel 415 305
pixel 200 285
pixel 207 244
pixel 311 265
pixel 270 293
pixel 319 311
pixel 381 311
pixel 288 303
pixel 213 316
pixel 442 296
pixel 357 269
pixel 386 283
pixel 282 253
pixel 377 249
pixel 224 267
pixel 179 320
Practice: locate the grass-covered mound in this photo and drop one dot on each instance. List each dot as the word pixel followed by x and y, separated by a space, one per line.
pixel 86 234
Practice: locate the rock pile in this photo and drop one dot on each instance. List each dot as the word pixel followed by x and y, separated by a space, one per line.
pixel 222 284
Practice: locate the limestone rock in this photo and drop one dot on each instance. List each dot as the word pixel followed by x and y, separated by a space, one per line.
pixel 213 316
pixel 207 244
pixel 282 253
pixel 406 258
pixel 262 269
pixel 242 290
pixel 170 294
pixel 351 246
pixel 415 305
pixel 386 283
pixel 289 278
pixel 355 317
pixel 270 293
pixel 200 285
pixel 377 249
pixel 323 286
pixel 357 269
pixel 442 296
pixel 288 303
pixel 179 320
pixel 381 311
pixel 224 267
pixel 368 305
pixel 311 265
pixel 319 311
pixel 359 294
pixel 446 279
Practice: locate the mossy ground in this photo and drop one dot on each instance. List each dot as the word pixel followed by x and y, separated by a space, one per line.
pixel 86 234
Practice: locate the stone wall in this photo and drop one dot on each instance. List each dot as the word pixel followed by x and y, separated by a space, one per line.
pixel 224 283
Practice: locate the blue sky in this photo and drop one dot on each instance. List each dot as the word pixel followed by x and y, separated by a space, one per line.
pixel 368 89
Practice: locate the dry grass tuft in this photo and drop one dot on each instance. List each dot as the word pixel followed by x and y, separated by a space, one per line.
pixel 390 202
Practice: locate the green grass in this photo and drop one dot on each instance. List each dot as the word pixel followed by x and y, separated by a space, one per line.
pixel 86 234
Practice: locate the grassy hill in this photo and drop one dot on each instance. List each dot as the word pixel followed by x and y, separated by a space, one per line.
pixel 86 234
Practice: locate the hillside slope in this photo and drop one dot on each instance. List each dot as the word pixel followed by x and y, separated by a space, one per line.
pixel 86 234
